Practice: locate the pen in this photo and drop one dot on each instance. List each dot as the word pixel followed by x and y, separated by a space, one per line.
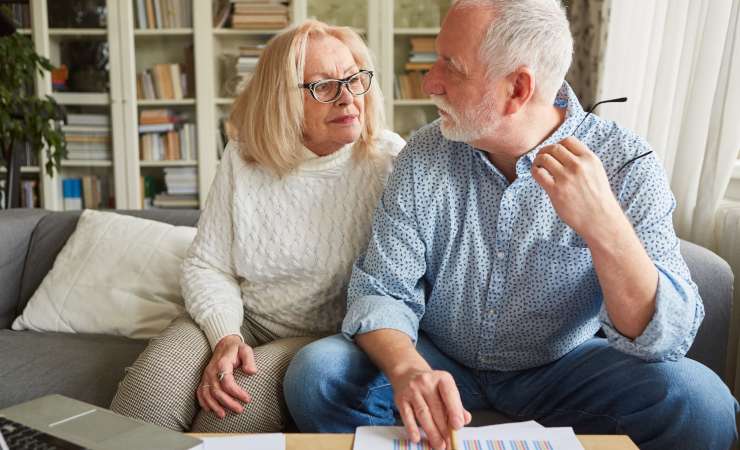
pixel 453 439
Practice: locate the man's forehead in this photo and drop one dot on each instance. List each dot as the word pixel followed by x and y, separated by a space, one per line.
pixel 462 33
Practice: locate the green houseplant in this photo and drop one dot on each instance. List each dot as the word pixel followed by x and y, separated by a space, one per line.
pixel 25 117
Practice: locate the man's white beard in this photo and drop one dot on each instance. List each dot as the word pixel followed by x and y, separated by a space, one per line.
pixel 466 126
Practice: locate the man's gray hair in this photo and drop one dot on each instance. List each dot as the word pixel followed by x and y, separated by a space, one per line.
pixel 532 33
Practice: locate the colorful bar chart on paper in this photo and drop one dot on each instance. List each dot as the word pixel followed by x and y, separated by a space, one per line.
pixel 506 445
pixel 516 436
pixel 404 444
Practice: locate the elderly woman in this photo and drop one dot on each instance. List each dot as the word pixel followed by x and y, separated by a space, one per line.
pixel 289 211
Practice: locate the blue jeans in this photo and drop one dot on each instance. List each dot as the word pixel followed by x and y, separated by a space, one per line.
pixel 332 386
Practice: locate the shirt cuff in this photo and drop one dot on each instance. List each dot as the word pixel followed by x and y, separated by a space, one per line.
pixel 670 332
pixel 219 325
pixel 375 312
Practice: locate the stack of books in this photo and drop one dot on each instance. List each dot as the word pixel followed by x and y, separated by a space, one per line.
pixel 260 14
pixel 88 137
pixel 422 57
pixel 182 188
pixel 165 136
pixel 163 81
pixel 164 14
pixel 423 54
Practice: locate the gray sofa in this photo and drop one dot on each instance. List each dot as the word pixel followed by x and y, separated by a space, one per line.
pixel 88 367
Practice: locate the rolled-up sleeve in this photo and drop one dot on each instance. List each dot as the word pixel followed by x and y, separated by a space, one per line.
pixel 648 202
pixel 387 286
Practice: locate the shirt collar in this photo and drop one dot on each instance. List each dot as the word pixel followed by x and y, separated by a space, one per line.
pixel 574 113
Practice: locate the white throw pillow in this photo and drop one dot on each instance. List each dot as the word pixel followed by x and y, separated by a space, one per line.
pixel 115 275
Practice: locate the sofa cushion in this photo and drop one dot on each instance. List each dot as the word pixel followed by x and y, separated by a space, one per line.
pixel 714 278
pixel 116 275
pixel 52 233
pixel 85 367
pixel 16 228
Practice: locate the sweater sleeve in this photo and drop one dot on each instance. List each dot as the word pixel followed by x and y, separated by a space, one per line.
pixel 208 281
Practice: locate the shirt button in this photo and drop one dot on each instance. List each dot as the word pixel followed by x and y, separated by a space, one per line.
pixel 500 255
pixel 492 312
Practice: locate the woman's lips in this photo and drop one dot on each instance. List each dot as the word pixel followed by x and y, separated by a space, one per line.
pixel 344 120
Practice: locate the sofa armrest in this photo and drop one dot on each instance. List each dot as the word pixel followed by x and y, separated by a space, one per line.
pixel 16 229
pixel 715 280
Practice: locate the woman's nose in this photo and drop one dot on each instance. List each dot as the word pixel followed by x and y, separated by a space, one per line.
pixel 345 96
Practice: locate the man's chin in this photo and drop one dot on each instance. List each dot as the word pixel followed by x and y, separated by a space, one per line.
pixel 454 134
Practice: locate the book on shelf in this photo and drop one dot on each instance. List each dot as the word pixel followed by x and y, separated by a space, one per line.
pixel 172 81
pixel 259 15
pixel 163 81
pixel 88 137
pixel 147 189
pixel 181 188
pixel 423 44
pixel 158 14
pixel 418 66
pixel 96 120
pixel 175 201
pixel 422 56
pixel 166 136
pixel 72 194
pixel 29 194
pixel 410 85
pixel 181 180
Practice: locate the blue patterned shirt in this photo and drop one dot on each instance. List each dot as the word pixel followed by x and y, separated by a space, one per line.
pixel 489 272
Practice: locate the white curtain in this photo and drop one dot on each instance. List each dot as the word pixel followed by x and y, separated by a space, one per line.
pixel 678 61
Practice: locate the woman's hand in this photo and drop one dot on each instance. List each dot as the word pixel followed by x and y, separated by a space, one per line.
pixel 217 389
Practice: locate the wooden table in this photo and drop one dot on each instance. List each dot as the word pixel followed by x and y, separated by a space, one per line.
pixel 303 441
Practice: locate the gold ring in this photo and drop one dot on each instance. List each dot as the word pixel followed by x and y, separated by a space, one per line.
pixel 221 376
pixel 204 386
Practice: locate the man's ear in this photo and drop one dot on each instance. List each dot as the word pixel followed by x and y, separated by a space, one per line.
pixel 520 89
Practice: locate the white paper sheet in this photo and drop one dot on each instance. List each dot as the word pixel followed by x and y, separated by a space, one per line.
pixel 504 435
pixel 269 441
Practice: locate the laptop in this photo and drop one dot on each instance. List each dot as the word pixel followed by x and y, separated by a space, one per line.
pixel 87 426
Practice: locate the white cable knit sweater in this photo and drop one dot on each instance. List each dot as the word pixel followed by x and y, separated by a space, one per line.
pixel 282 250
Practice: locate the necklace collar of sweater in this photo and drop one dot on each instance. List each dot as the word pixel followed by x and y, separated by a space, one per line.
pixel 324 165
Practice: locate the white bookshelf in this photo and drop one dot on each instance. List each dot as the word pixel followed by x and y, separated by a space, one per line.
pixel 132 50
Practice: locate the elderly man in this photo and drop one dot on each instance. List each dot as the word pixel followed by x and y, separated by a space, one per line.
pixel 511 231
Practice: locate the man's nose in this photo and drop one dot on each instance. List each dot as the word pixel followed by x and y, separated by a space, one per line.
pixel 432 84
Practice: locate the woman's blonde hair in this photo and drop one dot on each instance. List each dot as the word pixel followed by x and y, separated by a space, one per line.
pixel 267 117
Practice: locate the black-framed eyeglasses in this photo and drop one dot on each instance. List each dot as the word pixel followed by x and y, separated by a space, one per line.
pixel 329 90
pixel 591 110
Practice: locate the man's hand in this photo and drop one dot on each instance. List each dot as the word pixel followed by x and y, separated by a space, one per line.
pixel 217 389
pixel 575 180
pixel 431 399
pixel 578 187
